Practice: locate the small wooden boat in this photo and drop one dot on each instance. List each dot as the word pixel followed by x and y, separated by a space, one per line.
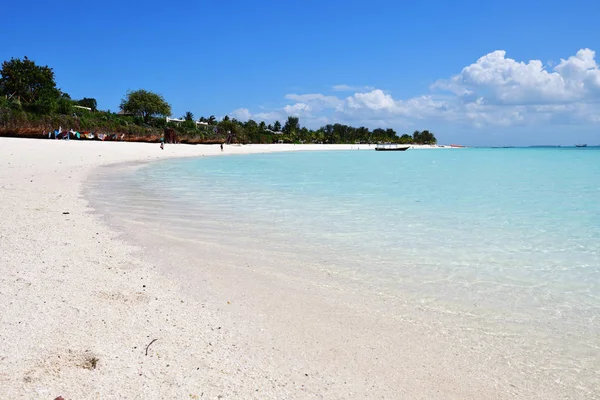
pixel 581 145
pixel 391 147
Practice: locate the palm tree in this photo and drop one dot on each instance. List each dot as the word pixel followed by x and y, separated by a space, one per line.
pixel 188 116
pixel 211 119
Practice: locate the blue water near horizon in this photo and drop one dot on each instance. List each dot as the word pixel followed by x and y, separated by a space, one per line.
pixel 505 236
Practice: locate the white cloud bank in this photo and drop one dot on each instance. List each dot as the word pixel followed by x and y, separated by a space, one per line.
pixel 500 80
pixel 495 90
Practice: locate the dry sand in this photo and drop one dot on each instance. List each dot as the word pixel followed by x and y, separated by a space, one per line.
pixel 80 306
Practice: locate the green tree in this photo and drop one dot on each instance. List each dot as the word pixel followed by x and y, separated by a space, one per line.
pixel 319 136
pixel 428 137
pixel 379 135
pixel 424 137
pixel 27 82
pixel 251 125
pixel 328 134
pixel 145 104
pixel 277 126
pixel 292 127
pixel 416 136
pixel 304 134
pixel 252 131
pixel 363 135
pixel 88 102
pixel 406 139
pixel 65 106
pixel 189 124
pixel 211 120
pixel 188 116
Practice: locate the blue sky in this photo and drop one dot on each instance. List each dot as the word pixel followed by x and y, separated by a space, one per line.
pixel 461 69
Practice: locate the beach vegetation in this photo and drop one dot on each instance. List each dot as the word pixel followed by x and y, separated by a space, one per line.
pixel 89 103
pixel 65 106
pixel 145 104
pixel 424 137
pixel 27 82
pixel 292 128
pixel 31 105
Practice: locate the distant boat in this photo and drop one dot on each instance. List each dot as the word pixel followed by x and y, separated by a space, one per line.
pixel 581 145
pixel 391 147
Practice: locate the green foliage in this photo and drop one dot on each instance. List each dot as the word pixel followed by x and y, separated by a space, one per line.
pixel 65 106
pixel 406 139
pixel 145 104
pixel 44 105
pixel 226 125
pixel 292 127
pixel 27 82
pixel 189 124
pixel 88 102
pixel 29 99
pixel 10 104
pixel 424 137
pixel 156 122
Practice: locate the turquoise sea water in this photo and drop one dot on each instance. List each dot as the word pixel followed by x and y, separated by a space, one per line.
pixel 501 237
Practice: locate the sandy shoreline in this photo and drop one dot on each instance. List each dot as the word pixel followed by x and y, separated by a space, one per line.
pixel 81 305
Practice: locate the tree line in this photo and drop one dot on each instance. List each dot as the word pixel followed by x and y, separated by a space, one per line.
pixel 29 91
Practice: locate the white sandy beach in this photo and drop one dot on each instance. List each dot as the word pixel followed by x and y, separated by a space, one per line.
pixel 80 305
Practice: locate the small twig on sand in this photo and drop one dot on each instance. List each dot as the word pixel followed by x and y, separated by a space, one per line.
pixel 149 345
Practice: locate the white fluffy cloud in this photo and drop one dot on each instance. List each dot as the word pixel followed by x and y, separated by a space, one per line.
pixel 297 109
pixel 495 90
pixel 243 114
pixel 373 100
pixel 499 80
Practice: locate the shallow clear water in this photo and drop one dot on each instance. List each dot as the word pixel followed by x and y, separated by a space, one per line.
pixel 502 237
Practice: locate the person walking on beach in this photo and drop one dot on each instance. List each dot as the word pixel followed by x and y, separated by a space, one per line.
pixel 221 146
pixel 162 143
